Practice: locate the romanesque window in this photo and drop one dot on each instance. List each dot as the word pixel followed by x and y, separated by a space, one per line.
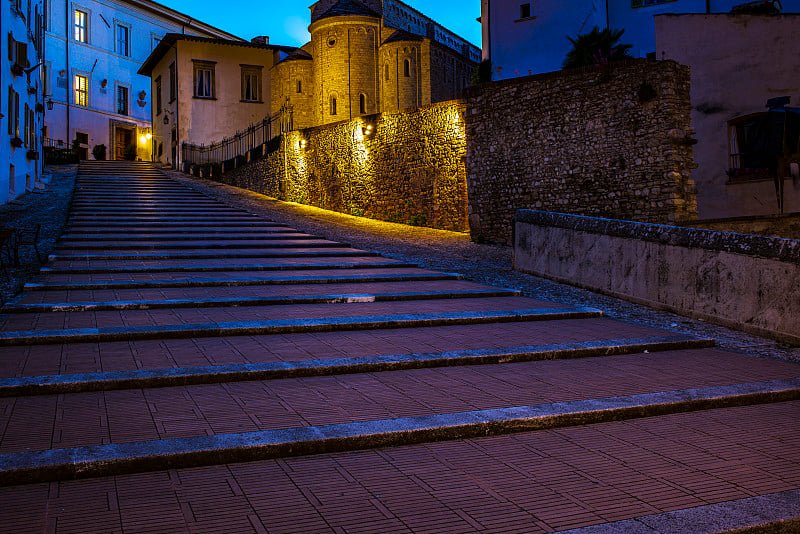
pixel 81 23
pixel 204 79
pixel 299 86
pixel 81 90
pixel 333 105
pixel 406 68
pixel 386 72
pixel 251 83
pixel 362 103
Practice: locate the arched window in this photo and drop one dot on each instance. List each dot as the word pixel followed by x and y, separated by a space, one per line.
pixel 299 86
pixel 406 68
pixel 362 103
pixel 333 105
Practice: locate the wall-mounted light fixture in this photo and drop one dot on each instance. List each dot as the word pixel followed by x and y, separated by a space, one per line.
pixel 367 130
pixel 49 103
pixel 103 83
pixel 303 144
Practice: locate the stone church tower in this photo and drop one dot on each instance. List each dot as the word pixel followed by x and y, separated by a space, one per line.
pixel 370 57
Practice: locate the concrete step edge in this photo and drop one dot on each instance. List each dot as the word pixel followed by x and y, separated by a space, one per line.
pixel 211 255
pixel 227 268
pixel 251 328
pixel 249 281
pixel 120 305
pixel 140 379
pixel 198 244
pixel 126 458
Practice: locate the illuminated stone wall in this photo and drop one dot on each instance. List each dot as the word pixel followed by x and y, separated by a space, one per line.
pixel 409 169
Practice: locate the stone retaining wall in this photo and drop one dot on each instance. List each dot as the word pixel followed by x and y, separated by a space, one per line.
pixel 588 141
pixel 401 167
pixel 612 141
pixel 747 282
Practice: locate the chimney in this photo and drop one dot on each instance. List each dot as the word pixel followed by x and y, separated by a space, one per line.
pixel 261 39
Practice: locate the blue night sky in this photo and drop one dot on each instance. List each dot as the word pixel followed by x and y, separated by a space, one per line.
pixel 286 22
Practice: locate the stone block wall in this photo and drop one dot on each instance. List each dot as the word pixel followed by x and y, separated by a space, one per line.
pixel 612 141
pixel 408 168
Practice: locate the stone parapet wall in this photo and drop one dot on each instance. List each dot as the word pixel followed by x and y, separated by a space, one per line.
pixel 611 141
pixel 409 168
pixel 747 282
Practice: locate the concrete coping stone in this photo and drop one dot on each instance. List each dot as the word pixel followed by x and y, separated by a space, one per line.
pixel 774 513
pixel 787 250
pixel 105 381
pixel 226 268
pixel 245 281
pixel 124 458
pixel 286 326
pixel 219 302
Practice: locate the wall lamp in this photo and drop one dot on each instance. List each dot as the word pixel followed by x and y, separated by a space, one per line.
pixel 303 144
pixel 367 130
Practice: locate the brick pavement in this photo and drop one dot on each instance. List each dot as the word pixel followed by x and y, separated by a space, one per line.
pixel 722 450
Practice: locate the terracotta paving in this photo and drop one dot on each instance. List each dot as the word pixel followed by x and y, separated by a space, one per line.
pixel 542 481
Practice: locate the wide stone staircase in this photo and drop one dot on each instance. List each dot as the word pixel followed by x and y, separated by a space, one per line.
pixel 183 366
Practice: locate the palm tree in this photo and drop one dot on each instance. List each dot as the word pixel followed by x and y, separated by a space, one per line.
pixel 596 47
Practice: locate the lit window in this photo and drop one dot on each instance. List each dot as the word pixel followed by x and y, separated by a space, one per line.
pixel 251 83
pixel 203 79
pixel 123 47
pixel 122 100
pixel 81 90
pixel 81 26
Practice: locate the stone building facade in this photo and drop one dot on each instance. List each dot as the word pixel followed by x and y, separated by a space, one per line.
pixel 367 58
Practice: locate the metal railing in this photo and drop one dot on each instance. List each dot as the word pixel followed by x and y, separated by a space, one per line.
pixel 256 135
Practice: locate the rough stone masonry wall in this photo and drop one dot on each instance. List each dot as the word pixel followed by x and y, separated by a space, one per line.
pixel 410 169
pixel 611 141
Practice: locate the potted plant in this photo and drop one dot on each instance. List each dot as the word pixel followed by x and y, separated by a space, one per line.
pixel 99 151
pixel 130 152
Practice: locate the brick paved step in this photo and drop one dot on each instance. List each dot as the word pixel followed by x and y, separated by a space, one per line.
pixel 315 318
pixel 273 251
pixel 77 418
pixel 384 284
pixel 215 374
pixel 170 226
pixel 378 263
pixel 402 344
pixel 78 238
pixel 210 219
pixel 223 263
pixel 198 242
pixel 155 454
pixel 142 304
pixel 677 465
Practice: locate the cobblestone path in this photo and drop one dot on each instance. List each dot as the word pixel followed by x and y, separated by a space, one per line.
pixel 186 366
